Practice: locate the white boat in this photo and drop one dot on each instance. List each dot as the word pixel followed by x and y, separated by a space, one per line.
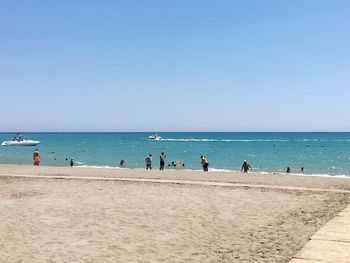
pixel 155 137
pixel 20 143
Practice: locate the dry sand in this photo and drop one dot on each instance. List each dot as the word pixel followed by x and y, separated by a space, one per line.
pixel 51 220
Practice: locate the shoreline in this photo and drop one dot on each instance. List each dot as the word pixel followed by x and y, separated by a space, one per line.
pixel 216 170
pixel 283 179
pixel 211 170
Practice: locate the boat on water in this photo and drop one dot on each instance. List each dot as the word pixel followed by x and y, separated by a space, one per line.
pixel 155 137
pixel 18 141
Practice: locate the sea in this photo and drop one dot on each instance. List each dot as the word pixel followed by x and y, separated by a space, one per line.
pixel 325 154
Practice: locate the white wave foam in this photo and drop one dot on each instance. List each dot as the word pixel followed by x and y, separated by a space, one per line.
pixel 255 140
pixel 247 140
pixel 190 140
pixel 222 140
pixel 181 169
pixel 99 167
pixel 319 175
pixel 219 170
pixel 223 171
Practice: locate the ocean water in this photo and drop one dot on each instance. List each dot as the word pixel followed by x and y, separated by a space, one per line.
pixel 319 153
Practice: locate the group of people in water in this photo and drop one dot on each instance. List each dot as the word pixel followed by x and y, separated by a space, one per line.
pixel 290 170
pixel 162 157
pixel 37 160
pixel 203 161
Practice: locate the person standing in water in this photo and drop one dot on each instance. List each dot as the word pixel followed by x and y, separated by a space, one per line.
pixel 162 161
pixel 71 163
pixel 204 163
pixel 148 161
pixel 36 157
pixel 246 167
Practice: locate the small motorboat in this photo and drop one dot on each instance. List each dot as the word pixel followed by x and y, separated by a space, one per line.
pixel 155 137
pixel 18 141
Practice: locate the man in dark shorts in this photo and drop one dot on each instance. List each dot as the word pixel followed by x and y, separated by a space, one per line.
pixel 162 157
pixel 245 167
pixel 204 163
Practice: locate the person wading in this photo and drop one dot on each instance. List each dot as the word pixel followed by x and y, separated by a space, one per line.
pixel 246 167
pixel 162 161
pixel 204 162
pixel 36 157
pixel 148 161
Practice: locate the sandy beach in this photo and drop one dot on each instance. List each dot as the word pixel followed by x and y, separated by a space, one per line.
pixel 60 214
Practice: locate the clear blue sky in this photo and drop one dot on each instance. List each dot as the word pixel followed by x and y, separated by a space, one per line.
pixel 175 65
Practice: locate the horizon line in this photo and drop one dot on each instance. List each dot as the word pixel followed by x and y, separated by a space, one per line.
pixel 155 132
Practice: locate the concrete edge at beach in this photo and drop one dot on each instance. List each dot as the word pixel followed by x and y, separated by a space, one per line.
pixel 331 243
